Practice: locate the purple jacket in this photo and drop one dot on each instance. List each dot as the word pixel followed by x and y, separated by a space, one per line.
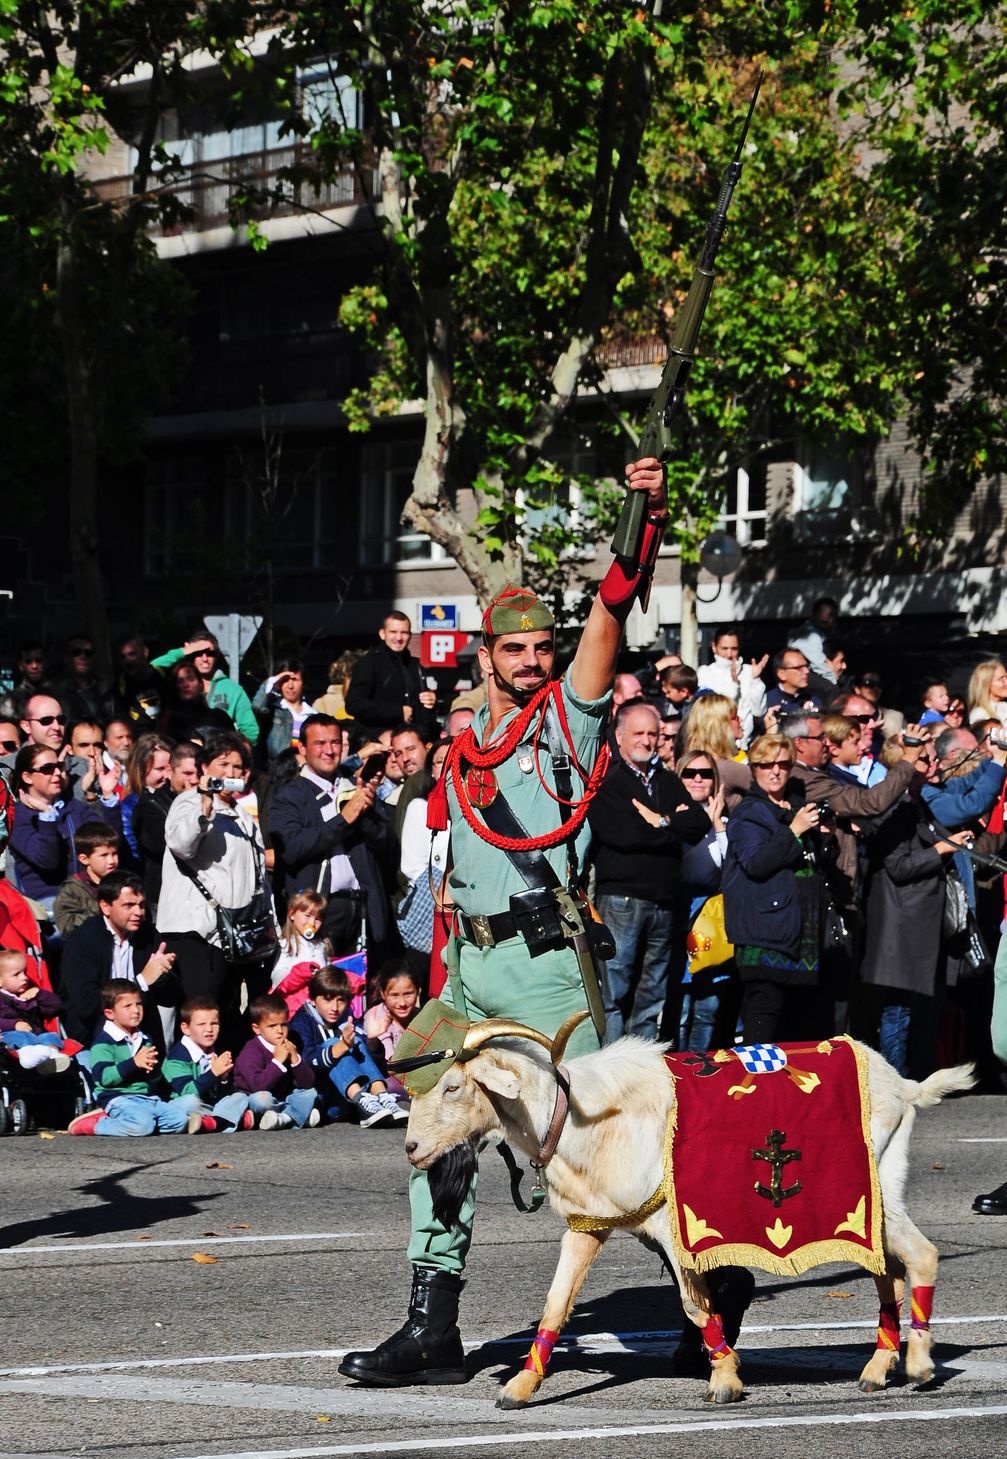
pixel 257 1072
pixel 32 1010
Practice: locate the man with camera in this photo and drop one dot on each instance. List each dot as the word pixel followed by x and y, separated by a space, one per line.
pixel 334 837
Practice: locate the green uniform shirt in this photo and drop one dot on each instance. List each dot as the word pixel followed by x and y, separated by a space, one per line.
pixel 483 879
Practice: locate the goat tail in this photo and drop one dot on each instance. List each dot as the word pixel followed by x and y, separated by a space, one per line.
pixel 940 1084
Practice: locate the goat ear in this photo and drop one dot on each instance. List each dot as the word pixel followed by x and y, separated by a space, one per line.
pixel 495 1077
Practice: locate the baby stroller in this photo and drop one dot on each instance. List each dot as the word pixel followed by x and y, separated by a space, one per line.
pixel 30 1100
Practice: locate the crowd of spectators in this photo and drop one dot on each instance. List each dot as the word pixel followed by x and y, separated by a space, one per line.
pixel 225 906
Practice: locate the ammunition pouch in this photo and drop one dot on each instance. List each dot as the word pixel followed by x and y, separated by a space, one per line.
pixel 537 920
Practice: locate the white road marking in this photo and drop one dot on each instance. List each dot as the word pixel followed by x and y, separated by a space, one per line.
pixel 982 1139
pixel 527 1436
pixel 591 1342
pixel 74 1249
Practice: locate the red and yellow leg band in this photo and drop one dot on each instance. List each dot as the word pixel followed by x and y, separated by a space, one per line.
pixel 889 1333
pixel 922 1307
pixel 713 1338
pixel 541 1351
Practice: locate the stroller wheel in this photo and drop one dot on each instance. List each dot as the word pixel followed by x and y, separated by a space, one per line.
pixel 20 1119
pixel 80 1106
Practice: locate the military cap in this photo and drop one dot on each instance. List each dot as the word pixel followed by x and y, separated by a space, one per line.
pixel 429 1046
pixel 516 610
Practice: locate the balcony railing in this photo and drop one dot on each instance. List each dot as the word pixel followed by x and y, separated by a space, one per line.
pixel 205 190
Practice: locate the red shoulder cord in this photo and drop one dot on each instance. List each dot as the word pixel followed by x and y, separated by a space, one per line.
pixel 488 757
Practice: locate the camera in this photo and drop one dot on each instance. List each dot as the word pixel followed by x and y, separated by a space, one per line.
pixel 913 741
pixel 826 815
pixel 998 739
pixel 232 783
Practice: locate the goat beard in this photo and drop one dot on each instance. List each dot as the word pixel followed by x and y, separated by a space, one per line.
pixel 450 1181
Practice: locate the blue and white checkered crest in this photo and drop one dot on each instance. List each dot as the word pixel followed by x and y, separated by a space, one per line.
pixel 761 1058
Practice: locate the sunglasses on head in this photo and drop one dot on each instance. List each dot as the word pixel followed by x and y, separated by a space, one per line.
pixel 697 774
pixel 48 719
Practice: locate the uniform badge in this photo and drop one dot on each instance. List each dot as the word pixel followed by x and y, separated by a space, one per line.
pixel 525 764
pixel 480 787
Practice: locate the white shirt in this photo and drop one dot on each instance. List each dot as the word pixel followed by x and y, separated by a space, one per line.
pixel 746 691
pixel 196 1054
pixel 122 958
pixel 134 1039
pixel 342 877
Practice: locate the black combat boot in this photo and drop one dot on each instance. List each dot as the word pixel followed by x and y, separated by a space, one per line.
pixel 731 1289
pixel 427 1347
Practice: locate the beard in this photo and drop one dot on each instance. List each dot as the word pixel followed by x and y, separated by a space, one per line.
pixel 520 690
pixel 450 1180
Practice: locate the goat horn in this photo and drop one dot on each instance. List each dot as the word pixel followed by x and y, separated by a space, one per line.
pixel 564 1033
pixel 498 1028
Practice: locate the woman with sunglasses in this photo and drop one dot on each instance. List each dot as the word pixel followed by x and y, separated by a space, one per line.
pixel 44 823
pixel 709 1006
pixel 772 900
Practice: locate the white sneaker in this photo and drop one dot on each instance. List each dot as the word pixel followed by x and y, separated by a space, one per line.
pixel 314 1119
pixel 33 1056
pixel 275 1119
pixel 372 1111
pixel 388 1101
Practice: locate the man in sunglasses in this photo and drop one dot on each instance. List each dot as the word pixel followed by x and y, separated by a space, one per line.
pixel 79 692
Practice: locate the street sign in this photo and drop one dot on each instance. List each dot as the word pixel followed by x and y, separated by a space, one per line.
pixel 234 632
pixel 440 650
pixel 437 616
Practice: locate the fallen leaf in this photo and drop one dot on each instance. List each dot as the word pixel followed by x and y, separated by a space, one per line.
pixel 143 1238
pixel 239 1226
pixel 938 1166
pixel 218 1165
pixel 46 1135
pixel 211 1233
pixel 203 1258
pixel 323 1418
pixel 842 1296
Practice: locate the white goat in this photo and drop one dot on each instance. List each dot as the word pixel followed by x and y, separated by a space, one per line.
pixel 609 1161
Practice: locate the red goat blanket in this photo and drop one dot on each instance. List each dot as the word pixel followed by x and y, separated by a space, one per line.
pixel 769 1160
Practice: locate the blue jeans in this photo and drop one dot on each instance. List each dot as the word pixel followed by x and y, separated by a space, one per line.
pixel 298 1104
pixel 142 1114
pixel 356 1066
pixel 635 981
pixel 228 1110
pixel 16 1038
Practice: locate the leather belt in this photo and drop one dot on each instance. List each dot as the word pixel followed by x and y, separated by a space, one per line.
pixel 487 931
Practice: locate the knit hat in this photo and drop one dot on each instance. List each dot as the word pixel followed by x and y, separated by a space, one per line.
pixel 515 610
pixel 429 1046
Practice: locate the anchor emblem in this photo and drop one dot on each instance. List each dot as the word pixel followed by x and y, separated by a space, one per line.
pixel 777 1157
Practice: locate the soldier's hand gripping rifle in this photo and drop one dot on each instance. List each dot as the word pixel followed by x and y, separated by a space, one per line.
pixel 639 533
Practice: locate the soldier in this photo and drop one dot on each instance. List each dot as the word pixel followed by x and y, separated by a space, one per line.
pixel 519 948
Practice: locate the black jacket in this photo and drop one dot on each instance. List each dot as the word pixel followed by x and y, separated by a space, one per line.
pixel 383 683
pixel 87 966
pixel 633 858
pixel 303 842
pixel 149 816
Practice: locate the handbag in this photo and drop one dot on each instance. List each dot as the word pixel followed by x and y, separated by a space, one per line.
pixel 247 934
pixel 415 917
pixel 707 942
pixel 956 904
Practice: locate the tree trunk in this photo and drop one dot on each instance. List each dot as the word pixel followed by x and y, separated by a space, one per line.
pixel 689 630
pixel 83 515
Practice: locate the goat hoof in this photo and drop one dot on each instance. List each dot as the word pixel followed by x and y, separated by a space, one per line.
pixel 868 1385
pixel 507 1401
pixel 724 1395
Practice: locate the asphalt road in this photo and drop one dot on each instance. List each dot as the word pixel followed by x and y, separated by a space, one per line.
pixel 120 1343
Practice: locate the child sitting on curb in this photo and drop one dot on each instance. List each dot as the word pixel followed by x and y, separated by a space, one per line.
pixel 280 1084
pixel 193 1067
pixel 128 1084
pixel 335 1047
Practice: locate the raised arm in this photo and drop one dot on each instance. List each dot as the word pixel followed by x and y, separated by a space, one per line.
pixel 593 667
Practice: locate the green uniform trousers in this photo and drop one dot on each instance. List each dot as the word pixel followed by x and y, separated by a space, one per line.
pixel 496 982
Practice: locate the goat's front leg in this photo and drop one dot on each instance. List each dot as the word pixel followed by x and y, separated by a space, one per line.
pixel 576 1257
pixel 725 1384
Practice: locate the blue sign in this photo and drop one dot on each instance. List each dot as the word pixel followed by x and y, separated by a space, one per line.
pixel 438 615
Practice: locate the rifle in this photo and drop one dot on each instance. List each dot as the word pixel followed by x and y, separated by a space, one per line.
pixel 637 565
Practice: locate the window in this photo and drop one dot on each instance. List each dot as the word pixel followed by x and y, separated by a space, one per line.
pixel 827 499
pixel 387 469
pixel 293 519
pixel 743 514
pixel 179 511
